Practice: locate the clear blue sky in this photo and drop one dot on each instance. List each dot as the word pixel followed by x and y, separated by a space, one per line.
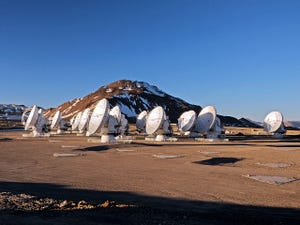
pixel 243 57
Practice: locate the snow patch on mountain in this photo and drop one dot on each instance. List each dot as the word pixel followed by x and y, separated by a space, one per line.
pixel 11 111
pixel 132 96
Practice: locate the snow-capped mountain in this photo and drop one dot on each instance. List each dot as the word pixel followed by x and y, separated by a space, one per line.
pixel 132 96
pixel 11 111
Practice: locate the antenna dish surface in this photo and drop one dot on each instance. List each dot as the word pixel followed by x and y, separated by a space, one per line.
pixel 205 119
pixel 155 120
pixel 76 121
pixel 99 116
pixel 25 116
pixel 116 113
pixel 84 119
pixel 56 119
pixel 32 118
pixel 72 120
pixel 141 120
pixel 186 120
pixel 273 122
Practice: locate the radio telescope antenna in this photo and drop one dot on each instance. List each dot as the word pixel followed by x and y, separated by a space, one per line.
pixel 122 130
pixel 205 119
pixel 186 121
pixel 36 122
pixel 59 123
pixel 99 118
pixel 273 123
pixel 116 113
pixel 114 120
pixel 141 121
pixel 158 124
pixel 32 118
pixel 84 119
pixel 208 123
pixel 154 120
pixel 76 121
pixel 56 119
pixel 25 115
pixel 124 125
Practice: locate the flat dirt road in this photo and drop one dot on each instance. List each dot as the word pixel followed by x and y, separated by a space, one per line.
pixel 68 180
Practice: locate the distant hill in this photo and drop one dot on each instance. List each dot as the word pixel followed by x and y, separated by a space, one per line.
pixel 134 97
pixel 292 124
pixel 11 111
pixel 250 123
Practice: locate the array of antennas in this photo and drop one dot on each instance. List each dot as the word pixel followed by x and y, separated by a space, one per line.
pixel 35 121
pixel 110 122
pixel 205 123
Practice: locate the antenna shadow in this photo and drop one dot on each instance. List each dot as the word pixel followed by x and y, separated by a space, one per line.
pixel 6 139
pixel 219 161
pixel 97 148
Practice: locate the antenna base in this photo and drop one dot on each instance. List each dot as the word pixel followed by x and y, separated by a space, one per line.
pixel 278 135
pixel 107 138
pixel 160 137
pixel 35 134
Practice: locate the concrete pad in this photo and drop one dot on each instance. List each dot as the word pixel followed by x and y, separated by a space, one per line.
pixel 168 156
pixel 272 179
pixel 67 154
pixel 275 165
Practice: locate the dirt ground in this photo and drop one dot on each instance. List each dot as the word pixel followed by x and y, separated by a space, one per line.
pixel 68 180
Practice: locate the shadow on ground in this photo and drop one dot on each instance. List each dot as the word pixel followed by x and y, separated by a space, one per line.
pixel 6 139
pixel 150 210
pixel 284 146
pixel 99 148
pixel 219 161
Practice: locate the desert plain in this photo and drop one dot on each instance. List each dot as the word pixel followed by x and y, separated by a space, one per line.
pixel 67 179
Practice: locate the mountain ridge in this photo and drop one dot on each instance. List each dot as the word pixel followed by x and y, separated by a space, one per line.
pixel 132 96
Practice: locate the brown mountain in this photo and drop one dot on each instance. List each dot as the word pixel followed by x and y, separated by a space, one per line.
pixel 132 96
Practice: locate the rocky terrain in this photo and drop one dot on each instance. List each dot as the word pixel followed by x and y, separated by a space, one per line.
pixel 26 202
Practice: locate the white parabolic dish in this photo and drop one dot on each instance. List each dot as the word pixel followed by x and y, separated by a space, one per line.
pixel 206 119
pixel 56 119
pixel 76 121
pixel 99 116
pixel 186 120
pixel 141 120
pixel 116 113
pixel 273 121
pixel 155 120
pixel 32 118
pixel 84 119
